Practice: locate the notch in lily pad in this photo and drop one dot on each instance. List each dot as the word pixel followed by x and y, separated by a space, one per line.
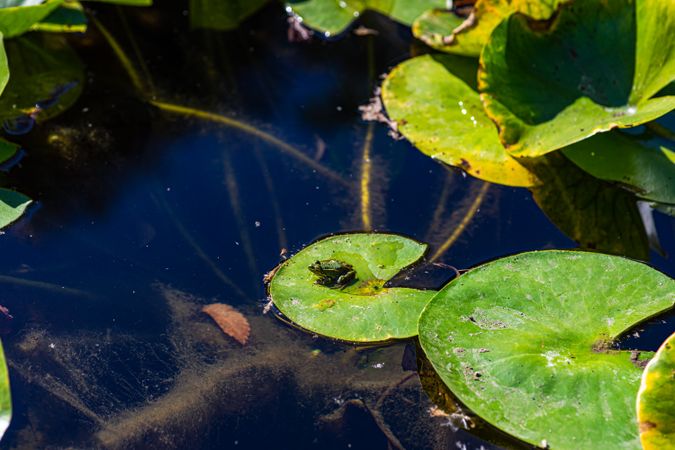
pixel 336 287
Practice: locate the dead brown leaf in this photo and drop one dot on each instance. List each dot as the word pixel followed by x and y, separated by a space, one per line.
pixel 232 322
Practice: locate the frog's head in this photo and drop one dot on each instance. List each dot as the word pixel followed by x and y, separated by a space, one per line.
pixel 315 268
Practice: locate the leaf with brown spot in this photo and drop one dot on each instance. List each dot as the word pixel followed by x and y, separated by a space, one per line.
pixel 232 322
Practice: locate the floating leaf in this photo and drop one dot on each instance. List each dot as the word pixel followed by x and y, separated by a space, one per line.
pixel 649 172
pixel 366 310
pixel 47 78
pixel 656 400
pixel 596 214
pixel 232 322
pixel 222 15
pixel 444 30
pixel 526 343
pixel 7 150
pixel 5 395
pixel 4 66
pixel 19 16
pixel 12 206
pixel 593 67
pixel 432 101
pixel 332 17
pixel 67 18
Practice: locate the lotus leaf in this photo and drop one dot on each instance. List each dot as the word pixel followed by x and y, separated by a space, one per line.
pixel 331 17
pixel 594 66
pixel 526 342
pixel 656 400
pixel 435 107
pixel 366 309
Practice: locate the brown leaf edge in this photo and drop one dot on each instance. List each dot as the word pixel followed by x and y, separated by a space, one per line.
pixel 232 322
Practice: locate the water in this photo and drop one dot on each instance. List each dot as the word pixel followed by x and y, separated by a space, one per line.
pixel 144 216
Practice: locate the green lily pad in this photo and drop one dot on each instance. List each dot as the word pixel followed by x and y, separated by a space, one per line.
pixel 12 206
pixel 364 311
pixel 593 67
pixel 525 342
pixel 649 172
pixel 5 395
pixel 331 17
pixel 4 66
pixel 67 18
pixel 437 110
pixel 222 15
pixel 444 30
pixel 7 150
pixel 598 215
pixel 19 16
pixel 45 72
pixel 656 400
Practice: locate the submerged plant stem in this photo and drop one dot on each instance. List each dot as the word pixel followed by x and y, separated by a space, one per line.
pixel 137 51
pixel 271 192
pixel 6 279
pixel 128 66
pixel 249 129
pixel 440 207
pixel 366 167
pixel 470 213
pixel 660 130
pixel 233 193
pixel 197 248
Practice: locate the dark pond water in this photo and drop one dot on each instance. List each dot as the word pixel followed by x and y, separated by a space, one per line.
pixel 144 216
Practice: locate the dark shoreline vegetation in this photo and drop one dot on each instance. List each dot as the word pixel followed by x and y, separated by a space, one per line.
pixel 468 208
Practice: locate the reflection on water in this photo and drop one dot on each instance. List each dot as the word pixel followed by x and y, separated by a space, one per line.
pixel 146 214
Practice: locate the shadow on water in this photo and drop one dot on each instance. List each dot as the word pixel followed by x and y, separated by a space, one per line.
pixel 149 211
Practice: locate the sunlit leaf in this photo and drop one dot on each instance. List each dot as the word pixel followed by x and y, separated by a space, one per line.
pixel 435 107
pixel 656 400
pixel 442 29
pixel 19 16
pixel 12 206
pixel 332 17
pixel 526 343
pixel 67 18
pixel 5 395
pixel 364 310
pixel 593 67
pixel 596 214
pixel 649 172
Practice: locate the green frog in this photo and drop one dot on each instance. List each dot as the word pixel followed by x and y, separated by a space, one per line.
pixel 333 273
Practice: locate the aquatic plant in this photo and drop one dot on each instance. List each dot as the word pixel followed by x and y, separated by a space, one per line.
pixel 522 341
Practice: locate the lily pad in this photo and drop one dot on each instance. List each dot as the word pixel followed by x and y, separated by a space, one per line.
pixel 12 206
pixel 331 17
pixel 7 150
pixel 67 18
pixel 443 30
pixel 436 108
pixel 656 400
pixel 5 395
pixel 4 66
pixel 526 343
pixel 366 310
pixel 649 172
pixel 222 15
pixel 19 16
pixel 45 72
pixel 593 67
